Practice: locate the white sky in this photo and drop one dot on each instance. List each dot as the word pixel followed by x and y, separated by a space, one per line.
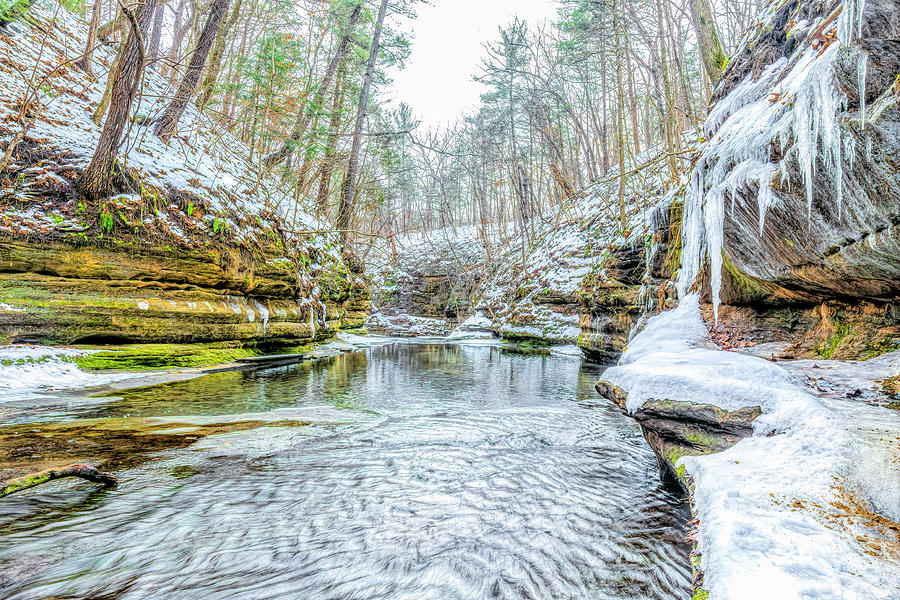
pixel 447 49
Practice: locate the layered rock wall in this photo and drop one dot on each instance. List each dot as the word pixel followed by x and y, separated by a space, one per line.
pixel 60 294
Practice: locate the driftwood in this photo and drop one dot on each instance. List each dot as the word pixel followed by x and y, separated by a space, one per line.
pixel 86 472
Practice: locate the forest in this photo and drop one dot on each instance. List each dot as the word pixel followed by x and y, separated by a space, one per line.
pixel 565 103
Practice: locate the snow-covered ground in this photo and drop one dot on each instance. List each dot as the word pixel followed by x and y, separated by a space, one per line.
pixel 807 507
pixel 28 371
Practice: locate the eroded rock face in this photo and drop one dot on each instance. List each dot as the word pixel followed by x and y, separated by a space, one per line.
pixel 57 293
pixel 633 283
pixel 826 250
pixel 675 429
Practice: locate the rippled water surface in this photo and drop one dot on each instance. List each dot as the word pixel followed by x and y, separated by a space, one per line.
pixel 404 472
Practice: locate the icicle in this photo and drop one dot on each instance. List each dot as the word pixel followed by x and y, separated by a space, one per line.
pixel 839 181
pixel 804 144
pixel 850 22
pixel 692 232
pixel 859 19
pixel 766 196
pixel 850 148
pixel 312 322
pixel 263 325
pixel 861 68
pixel 714 223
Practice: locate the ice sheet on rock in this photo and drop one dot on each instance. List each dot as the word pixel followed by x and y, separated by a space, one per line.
pixel 469 334
pixel 840 377
pixel 364 341
pixel 476 321
pixel 407 325
pixel 27 371
pixel 566 350
pixel 794 510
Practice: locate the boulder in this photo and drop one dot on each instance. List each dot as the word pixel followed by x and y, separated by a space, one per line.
pixel 675 429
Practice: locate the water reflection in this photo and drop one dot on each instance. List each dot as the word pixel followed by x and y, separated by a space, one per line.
pixel 463 472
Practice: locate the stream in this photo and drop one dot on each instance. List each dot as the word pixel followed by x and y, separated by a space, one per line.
pixel 405 471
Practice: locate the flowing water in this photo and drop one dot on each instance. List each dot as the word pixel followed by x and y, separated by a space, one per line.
pixel 402 472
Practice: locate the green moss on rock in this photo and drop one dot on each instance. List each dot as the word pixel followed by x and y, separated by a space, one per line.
pixel 145 357
pixel 148 357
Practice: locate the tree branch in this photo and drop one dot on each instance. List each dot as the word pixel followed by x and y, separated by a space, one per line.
pixel 85 472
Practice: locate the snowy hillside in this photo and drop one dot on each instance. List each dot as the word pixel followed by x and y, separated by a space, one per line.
pixel 199 187
pixel 529 285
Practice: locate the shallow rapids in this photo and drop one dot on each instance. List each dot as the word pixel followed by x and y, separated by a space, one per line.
pixel 403 472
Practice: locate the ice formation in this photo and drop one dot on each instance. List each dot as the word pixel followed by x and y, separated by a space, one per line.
pixel 794 104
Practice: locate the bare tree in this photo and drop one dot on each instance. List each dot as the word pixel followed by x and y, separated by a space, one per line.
pixel 96 180
pixel 215 59
pixel 84 63
pixel 156 36
pixel 306 115
pixel 711 53
pixel 348 192
pixel 167 124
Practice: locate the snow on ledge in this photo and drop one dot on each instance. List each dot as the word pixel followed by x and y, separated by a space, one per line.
pixel 803 507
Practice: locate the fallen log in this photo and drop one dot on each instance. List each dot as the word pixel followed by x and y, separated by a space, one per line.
pixel 86 472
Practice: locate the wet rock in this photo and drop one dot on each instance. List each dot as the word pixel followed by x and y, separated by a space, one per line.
pixel 633 283
pixel 675 429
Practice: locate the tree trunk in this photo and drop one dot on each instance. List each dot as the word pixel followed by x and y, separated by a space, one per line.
pixel 96 180
pixel 620 120
pixel 85 472
pixel 84 63
pixel 633 106
pixel 166 126
pixel 306 114
pixel 331 145
pixel 111 27
pixel 604 118
pixel 708 43
pixel 348 193
pixel 156 36
pixel 668 114
pixel 215 59
pixel 228 103
pixel 181 28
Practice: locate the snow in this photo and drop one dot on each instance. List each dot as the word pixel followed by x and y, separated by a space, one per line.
pixel 407 325
pixel 794 510
pixel 529 284
pixel 476 327
pixel 28 371
pixel 196 161
pixel 667 360
pixel 476 321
